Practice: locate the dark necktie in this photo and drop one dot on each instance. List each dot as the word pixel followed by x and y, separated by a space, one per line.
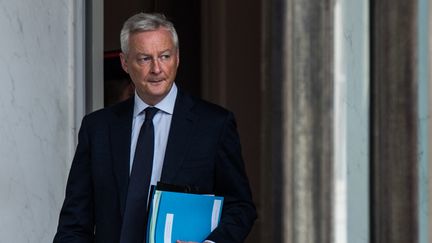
pixel 134 220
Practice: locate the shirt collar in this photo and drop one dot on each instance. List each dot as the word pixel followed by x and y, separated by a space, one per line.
pixel 166 104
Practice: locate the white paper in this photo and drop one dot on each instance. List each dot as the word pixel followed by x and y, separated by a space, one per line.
pixel 168 227
pixel 215 214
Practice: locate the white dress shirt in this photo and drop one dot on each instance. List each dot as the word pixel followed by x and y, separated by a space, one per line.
pixel 161 123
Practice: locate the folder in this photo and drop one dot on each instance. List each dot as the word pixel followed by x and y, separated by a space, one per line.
pixel 183 216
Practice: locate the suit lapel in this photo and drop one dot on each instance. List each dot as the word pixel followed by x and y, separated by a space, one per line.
pixel 182 124
pixel 121 130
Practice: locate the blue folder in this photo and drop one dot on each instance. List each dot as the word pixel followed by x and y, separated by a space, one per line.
pixel 182 216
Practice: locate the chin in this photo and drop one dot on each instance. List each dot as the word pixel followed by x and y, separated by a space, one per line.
pixel 158 94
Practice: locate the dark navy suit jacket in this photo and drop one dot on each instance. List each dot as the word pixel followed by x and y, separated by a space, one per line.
pixel 203 150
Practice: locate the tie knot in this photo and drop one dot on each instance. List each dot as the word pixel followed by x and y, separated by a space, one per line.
pixel 150 112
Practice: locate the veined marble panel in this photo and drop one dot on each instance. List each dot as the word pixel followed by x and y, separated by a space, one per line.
pixel 36 115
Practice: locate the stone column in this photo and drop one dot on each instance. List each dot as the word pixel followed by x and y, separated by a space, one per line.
pixel 298 89
pixel 394 122
pixel 308 120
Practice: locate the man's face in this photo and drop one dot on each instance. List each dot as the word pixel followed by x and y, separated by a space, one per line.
pixel 151 63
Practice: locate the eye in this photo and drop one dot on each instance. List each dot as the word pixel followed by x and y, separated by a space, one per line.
pixel 144 59
pixel 165 57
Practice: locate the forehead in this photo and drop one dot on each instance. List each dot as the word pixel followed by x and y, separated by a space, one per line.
pixel 149 40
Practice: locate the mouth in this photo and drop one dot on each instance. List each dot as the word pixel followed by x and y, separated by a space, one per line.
pixel 156 80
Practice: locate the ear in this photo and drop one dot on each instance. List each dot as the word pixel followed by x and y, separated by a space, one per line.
pixel 178 57
pixel 123 60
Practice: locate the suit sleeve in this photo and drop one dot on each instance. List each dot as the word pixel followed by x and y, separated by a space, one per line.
pixel 76 222
pixel 239 213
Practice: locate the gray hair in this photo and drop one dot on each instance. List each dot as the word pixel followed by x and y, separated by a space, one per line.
pixel 145 22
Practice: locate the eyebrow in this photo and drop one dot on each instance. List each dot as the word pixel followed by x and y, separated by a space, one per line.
pixel 162 52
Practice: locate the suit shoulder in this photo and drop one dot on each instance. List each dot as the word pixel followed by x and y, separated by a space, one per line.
pixel 108 113
pixel 209 108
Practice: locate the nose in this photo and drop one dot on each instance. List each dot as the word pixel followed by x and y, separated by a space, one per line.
pixel 155 67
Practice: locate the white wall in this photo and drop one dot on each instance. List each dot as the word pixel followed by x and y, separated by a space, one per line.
pixel 351 208
pixel 38 113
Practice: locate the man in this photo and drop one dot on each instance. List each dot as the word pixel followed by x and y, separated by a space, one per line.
pixel 192 143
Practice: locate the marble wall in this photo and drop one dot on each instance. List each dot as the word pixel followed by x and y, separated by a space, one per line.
pixel 351 118
pixel 37 114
